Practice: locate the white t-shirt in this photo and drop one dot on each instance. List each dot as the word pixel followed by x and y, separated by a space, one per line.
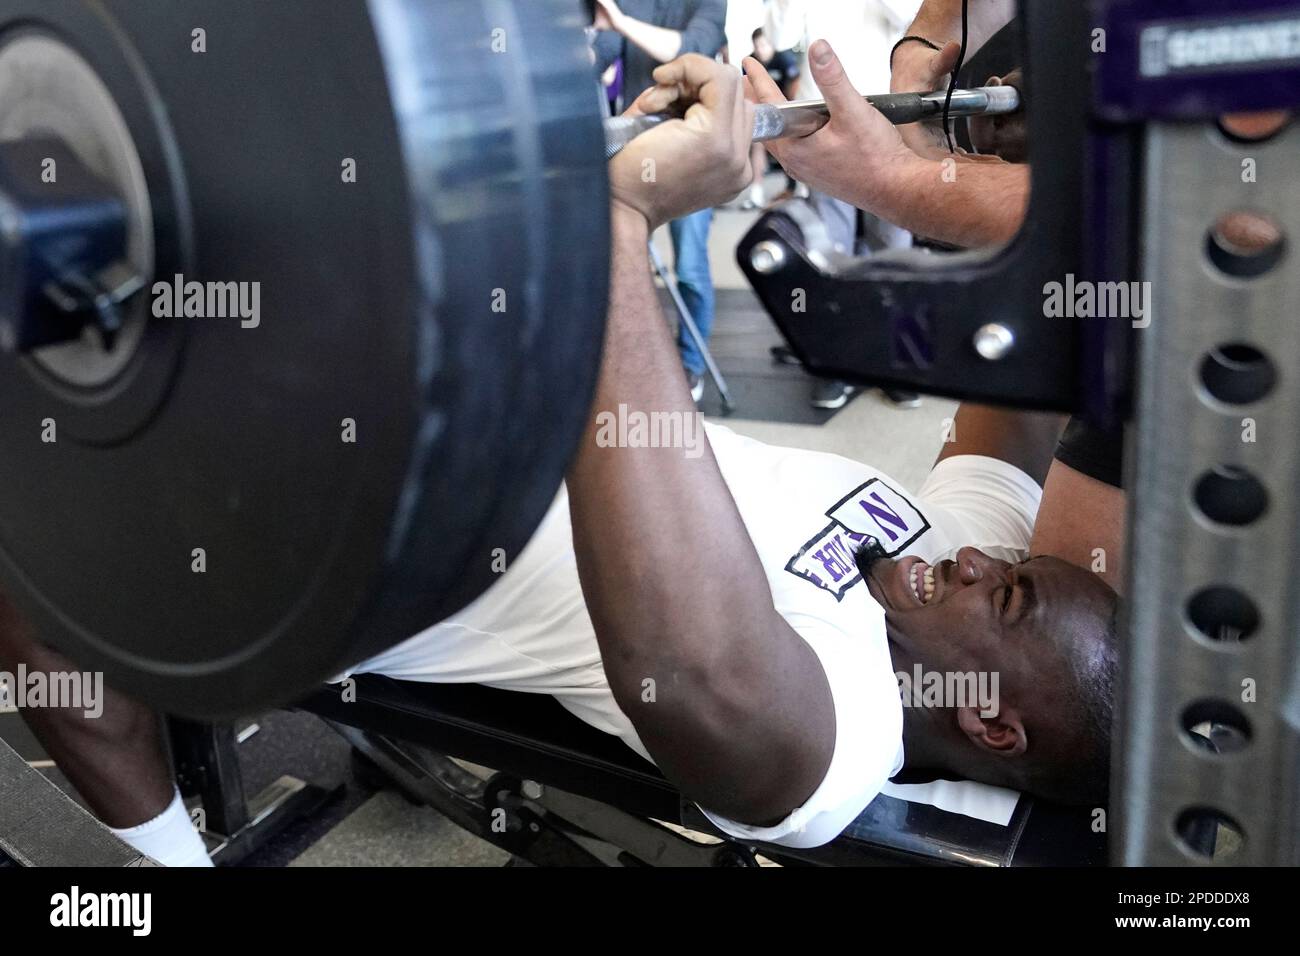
pixel 861 31
pixel 806 512
pixel 743 18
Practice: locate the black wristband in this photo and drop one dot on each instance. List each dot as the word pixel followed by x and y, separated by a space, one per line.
pixel 909 39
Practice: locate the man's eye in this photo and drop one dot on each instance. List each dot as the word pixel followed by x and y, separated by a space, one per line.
pixel 1006 598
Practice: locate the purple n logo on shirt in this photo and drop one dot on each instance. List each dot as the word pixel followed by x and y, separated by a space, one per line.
pixel 883 516
pixel 873 510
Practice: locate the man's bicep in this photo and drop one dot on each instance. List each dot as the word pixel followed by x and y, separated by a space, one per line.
pixel 865 736
pixel 752 737
pixel 790 710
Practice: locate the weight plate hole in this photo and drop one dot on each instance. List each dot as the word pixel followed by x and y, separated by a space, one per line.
pixel 1254 127
pixel 1216 727
pixel 1223 614
pixel 1209 834
pixel 1246 245
pixel 1230 495
pixel 1238 374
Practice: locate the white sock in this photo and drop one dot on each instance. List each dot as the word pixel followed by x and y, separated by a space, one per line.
pixel 170 838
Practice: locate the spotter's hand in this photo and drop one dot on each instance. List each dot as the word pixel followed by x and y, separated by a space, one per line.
pixel 857 155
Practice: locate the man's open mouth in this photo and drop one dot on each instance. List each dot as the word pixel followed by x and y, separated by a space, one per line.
pixel 906 582
pixel 922 581
pixel 919 583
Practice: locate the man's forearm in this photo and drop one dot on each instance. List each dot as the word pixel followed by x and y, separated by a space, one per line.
pixel 732 684
pixel 939 21
pixel 1080 520
pixel 624 494
pixel 956 200
pixel 660 43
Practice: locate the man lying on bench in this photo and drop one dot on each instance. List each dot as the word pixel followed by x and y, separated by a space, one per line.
pixel 737 612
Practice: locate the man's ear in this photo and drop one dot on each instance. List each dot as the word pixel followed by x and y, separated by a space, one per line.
pixel 1003 735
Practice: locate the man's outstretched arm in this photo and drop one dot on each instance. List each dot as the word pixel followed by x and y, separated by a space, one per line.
pixel 730 701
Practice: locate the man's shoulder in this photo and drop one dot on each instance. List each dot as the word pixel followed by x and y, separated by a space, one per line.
pixel 984 502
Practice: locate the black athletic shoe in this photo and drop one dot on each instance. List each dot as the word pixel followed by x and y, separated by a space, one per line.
pixel 784 354
pixel 901 398
pixel 831 394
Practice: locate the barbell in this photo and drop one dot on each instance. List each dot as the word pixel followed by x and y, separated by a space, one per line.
pixel 301 309
pixel 805 117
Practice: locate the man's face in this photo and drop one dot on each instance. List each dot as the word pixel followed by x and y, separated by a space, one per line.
pixel 763 51
pixel 977 613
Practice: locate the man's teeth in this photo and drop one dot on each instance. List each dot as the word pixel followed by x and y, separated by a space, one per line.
pixel 923 583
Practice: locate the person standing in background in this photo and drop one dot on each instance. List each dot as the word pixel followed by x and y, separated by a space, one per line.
pixel 784 66
pixel 745 21
pixel 863 32
pixel 645 34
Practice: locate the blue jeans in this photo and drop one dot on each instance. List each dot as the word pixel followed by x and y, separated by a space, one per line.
pixel 694 282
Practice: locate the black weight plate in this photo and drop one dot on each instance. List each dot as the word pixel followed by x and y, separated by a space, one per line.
pixel 480 174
